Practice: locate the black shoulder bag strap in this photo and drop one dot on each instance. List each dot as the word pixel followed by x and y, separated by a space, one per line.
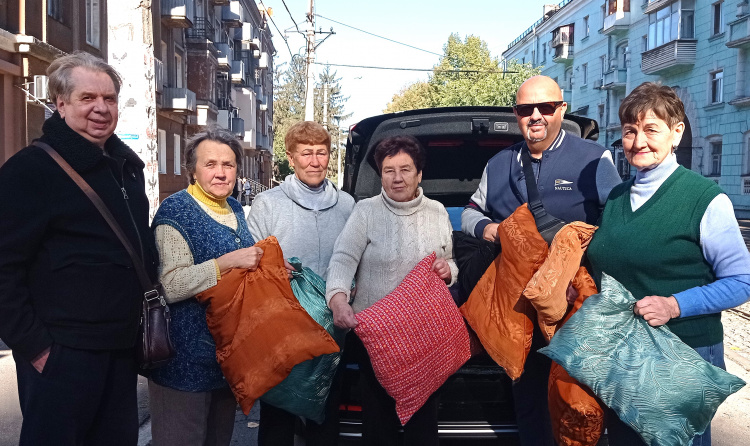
pixel 148 287
pixel 546 224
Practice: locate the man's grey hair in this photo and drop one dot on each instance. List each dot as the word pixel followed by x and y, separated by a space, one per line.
pixel 216 134
pixel 61 69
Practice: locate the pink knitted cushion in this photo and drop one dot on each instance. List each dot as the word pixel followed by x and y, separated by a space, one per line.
pixel 416 338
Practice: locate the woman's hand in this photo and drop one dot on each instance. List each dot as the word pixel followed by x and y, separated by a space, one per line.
pixel 289 269
pixel 441 268
pixel 343 315
pixel 657 310
pixel 571 294
pixel 246 258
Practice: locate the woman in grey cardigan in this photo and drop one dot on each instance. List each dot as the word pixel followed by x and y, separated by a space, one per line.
pixel 305 213
pixel 385 237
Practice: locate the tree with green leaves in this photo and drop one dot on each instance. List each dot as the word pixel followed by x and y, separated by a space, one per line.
pixel 467 74
pixel 289 108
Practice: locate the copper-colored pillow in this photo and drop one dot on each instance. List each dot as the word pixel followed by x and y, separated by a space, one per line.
pixel 260 329
pixel 501 317
pixel 547 289
pixel 577 415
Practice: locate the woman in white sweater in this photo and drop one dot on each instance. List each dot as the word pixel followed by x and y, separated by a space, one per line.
pixel 384 238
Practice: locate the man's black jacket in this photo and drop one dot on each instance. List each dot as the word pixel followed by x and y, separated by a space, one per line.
pixel 64 276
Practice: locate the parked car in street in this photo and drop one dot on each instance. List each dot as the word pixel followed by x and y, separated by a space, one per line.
pixel 476 402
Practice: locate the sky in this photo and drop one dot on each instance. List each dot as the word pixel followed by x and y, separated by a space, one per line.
pixel 420 23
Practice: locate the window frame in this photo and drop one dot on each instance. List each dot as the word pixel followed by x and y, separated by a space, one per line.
pixel 716 94
pixel 93 22
pixel 717 13
pixel 715 155
pixel 585 74
pixel 177 153
pixel 162 155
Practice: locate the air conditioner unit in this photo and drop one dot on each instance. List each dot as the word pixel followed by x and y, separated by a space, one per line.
pixel 263 63
pixel 40 90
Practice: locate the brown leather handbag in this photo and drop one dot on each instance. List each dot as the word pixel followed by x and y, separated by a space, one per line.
pixel 155 347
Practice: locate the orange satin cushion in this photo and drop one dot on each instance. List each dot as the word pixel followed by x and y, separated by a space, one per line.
pixel 260 329
pixel 496 310
pixel 547 290
pixel 577 415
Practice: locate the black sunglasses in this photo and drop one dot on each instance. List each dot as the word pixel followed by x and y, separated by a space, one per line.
pixel 545 108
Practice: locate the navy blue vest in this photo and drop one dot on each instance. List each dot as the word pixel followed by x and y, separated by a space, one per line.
pixel 194 368
pixel 567 182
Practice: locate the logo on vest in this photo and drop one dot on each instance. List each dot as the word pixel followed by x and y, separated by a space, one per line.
pixel 563 185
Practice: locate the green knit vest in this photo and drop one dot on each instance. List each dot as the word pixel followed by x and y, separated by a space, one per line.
pixel 656 249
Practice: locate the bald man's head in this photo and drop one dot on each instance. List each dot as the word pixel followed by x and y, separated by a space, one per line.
pixel 539 130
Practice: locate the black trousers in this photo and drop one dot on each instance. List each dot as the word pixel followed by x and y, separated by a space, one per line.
pixel 380 424
pixel 530 397
pixel 276 426
pixel 82 397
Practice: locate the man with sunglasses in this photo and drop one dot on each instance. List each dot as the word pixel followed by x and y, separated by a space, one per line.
pixel 574 177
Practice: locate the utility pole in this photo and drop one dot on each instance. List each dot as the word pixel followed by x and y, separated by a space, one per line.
pixel 325 106
pixel 309 99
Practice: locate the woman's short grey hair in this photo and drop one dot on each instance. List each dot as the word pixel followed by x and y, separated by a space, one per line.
pixel 216 134
pixel 61 69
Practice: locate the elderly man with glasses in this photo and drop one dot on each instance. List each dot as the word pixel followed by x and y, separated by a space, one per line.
pixel 573 177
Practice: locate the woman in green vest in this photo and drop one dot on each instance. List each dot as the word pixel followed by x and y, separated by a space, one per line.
pixel 669 235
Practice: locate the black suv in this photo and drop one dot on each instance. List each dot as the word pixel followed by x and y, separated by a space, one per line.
pixel 476 402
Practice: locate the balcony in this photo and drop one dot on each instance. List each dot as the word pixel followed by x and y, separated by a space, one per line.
pixel 237 127
pixel 158 75
pixel 261 140
pixel 616 23
pixel 739 33
pixel 224 54
pixel 562 36
pixel 177 13
pixel 238 72
pixel 615 79
pixel 178 100
pixel 232 14
pixel 676 53
pixel 563 54
pixel 202 29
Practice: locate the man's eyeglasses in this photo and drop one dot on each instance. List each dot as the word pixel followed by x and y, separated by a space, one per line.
pixel 545 108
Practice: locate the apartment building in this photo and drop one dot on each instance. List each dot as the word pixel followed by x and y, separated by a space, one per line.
pixel 599 51
pixel 213 67
pixel 32 34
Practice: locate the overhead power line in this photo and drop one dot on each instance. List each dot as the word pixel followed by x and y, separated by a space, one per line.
pixel 277 29
pixel 434 70
pixel 380 37
pixel 290 16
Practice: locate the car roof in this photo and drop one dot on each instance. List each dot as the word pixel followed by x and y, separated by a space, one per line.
pixel 459 142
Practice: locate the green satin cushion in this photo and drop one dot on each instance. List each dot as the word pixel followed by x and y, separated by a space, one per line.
pixel 655 383
pixel 305 390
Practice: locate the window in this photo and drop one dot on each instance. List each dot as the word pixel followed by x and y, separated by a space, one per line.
pixel 717 87
pixel 178 71
pixel 177 154
pixel 715 154
pixel 55 10
pixel 672 22
pixel 92 22
pixel 603 62
pixel 162 141
pixel 164 61
pixel 586 29
pixel 585 74
pixel 746 153
pixel 717 22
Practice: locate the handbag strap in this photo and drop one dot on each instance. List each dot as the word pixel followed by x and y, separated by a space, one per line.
pixel 148 287
pixel 543 220
pixel 534 202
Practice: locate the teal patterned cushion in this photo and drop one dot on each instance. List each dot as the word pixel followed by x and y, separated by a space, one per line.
pixel 655 383
pixel 305 390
